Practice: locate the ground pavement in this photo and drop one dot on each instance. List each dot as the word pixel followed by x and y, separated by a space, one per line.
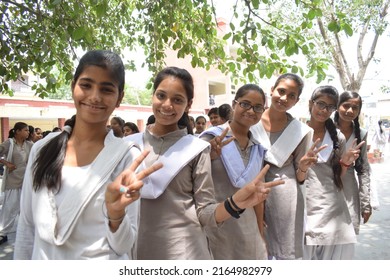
pixel 374 237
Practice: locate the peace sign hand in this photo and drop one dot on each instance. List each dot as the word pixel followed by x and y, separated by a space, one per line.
pixel 352 154
pixel 311 156
pixel 126 187
pixel 217 143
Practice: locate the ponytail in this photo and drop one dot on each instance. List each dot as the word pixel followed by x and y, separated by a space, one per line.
pixel 50 159
pixel 336 167
pixel 185 121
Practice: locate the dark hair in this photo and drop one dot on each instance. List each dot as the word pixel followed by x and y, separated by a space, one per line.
pixel 132 126
pixel 50 159
pixel 56 129
pixel 242 91
pixel 151 120
pixel 331 92
pixel 212 111
pixel 200 117
pixel 31 131
pixel 225 111
pixel 119 120
pixel 37 128
pixel 380 126
pixel 187 82
pixel 345 96
pixel 290 76
pixel 17 126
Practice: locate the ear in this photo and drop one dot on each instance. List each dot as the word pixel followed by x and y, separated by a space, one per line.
pixel 120 97
pixel 188 106
pixel 272 90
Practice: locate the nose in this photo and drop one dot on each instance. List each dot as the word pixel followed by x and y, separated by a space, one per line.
pixel 95 95
pixel 167 103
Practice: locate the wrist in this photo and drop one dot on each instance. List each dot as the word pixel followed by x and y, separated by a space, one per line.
pixel 344 164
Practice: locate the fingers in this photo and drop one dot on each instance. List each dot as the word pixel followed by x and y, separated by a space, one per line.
pixel 227 141
pixel 146 172
pixel 224 133
pixel 262 173
pixel 360 145
pixel 315 144
pixel 272 184
pixel 321 148
pixel 137 162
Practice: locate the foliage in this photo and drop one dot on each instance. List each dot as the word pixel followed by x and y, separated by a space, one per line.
pixel 37 36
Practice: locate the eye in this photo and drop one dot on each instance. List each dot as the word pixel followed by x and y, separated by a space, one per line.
pixel 178 100
pixel 160 95
pixel 292 96
pixel 84 85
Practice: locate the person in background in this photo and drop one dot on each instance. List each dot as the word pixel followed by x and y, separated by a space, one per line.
pixel 14 153
pixel 56 129
pixel 79 197
pixel 38 134
pixel 238 163
pixel 379 138
pixel 225 112
pixel 178 200
pixel 214 117
pixel 356 182
pixel 192 123
pixel 200 125
pixel 130 128
pixel 151 120
pixel 117 124
pixel 329 231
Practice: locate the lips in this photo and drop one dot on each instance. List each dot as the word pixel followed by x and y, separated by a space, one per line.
pixel 93 107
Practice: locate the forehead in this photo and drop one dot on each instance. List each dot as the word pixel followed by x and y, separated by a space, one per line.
pixel 288 84
pixel 172 86
pixel 98 75
pixel 253 96
pixel 327 99
pixel 352 101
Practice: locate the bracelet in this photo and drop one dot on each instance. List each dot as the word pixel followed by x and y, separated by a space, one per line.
pixel 344 164
pixel 112 220
pixel 302 170
pixel 229 209
pixel 238 209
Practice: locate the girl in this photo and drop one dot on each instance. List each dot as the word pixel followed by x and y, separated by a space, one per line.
pixel 286 140
pixel 200 125
pixel 117 124
pixel 130 128
pixel 77 200
pixel 329 230
pixel 238 164
pixel 356 189
pixel 15 151
pixel 178 202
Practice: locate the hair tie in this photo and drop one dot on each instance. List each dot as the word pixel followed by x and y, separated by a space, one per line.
pixel 68 129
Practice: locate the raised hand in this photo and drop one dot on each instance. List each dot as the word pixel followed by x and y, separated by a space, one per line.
pixel 311 156
pixel 126 187
pixel 217 143
pixel 256 191
pixel 352 154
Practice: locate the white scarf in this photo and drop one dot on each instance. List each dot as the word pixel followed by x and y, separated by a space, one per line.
pixel 284 146
pixel 173 160
pixel 9 159
pixel 72 207
pixel 239 175
pixel 324 155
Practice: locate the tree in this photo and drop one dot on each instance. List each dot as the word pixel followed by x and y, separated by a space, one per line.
pixel 38 36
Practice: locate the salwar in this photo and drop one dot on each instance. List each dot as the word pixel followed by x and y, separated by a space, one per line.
pixel 329 252
pixel 10 210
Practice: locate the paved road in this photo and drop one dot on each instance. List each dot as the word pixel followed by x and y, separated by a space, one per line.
pixel 374 237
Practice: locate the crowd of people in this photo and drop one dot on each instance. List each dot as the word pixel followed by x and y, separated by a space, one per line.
pixel 254 184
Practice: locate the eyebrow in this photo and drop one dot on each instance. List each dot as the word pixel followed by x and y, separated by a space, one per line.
pixel 93 81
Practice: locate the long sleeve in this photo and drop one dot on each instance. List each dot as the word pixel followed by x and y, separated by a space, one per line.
pixel 364 180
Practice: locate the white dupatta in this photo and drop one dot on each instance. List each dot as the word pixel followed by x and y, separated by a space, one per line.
pixel 9 159
pixel 60 222
pixel 173 160
pixel 284 146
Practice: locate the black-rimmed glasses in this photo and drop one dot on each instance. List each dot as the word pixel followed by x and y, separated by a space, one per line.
pixel 247 106
pixel 322 105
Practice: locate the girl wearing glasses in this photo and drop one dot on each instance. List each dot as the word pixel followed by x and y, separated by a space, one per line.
pixel 238 163
pixel 329 230
pixel 287 140
pixel 357 189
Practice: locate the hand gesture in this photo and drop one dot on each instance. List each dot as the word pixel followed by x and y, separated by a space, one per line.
pixel 126 187
pixel 256 191
pixel 217 144
pixel 311 156
pixel 352 154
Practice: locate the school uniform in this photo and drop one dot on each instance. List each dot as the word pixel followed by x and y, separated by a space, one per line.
pixel 284 206
pixel 174 213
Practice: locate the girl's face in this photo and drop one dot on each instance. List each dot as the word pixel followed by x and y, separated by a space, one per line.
pixel 127 131
pixel 349 110
pixel 285 95
pixel 23 133
pixel 169 103
pixel 200 125
pixel 322 108
pixel 215 119
pixel 248 117
pixel 95 95
pixel 115 126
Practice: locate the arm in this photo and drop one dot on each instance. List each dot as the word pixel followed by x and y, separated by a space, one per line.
pixel 259 211
pixel 364 185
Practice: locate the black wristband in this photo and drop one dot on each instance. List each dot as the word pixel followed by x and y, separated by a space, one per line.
pixel 238 209
pixel 230 210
